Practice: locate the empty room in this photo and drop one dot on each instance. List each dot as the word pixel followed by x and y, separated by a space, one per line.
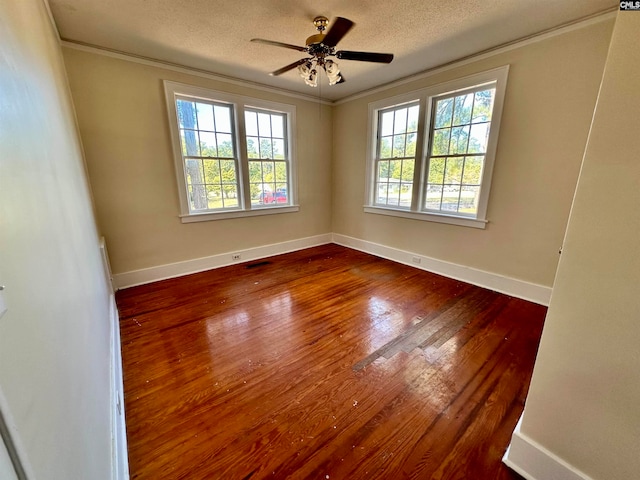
pixel 335 240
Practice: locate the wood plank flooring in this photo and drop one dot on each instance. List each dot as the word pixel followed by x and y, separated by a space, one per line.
pixel 326 363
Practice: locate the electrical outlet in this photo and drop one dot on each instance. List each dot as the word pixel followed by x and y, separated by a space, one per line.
pixel 236 256
pixel 416 260
pixel 3 306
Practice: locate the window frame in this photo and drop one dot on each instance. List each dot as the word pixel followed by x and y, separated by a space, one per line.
pixel 238 104
pixel 426 98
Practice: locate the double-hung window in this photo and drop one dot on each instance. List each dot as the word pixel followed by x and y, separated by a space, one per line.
pixel 233 154
pixel 431 152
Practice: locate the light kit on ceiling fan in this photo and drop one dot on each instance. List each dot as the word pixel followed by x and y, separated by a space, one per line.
pixel 321 46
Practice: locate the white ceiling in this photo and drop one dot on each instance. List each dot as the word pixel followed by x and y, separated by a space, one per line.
pixel 213 35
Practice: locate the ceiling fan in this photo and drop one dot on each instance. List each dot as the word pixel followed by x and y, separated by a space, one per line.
pixel 321 46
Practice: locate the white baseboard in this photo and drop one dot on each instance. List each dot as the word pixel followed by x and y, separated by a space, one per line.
pixel 162 272
pixel 119 457
pixel 493 281
pixel 534 462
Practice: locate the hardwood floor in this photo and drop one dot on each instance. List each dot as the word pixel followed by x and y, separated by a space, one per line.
pixel 326 363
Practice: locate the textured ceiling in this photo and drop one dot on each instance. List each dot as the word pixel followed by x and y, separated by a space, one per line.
pixel 213 35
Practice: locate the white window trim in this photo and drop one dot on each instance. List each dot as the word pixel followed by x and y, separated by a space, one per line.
pixel 239 103
pixel 425 97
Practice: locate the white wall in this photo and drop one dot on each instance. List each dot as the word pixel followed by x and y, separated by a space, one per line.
pixel 583 407
pixel 54 338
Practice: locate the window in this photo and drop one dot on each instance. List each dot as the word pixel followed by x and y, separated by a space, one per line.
pixel 431 152
pixel 233 154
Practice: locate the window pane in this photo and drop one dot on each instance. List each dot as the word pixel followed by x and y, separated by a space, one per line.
pixel 189 140
pixel 211 171
pixel 186 114
pixel 412 118
pixel 277 126
pixel 473 170
pixel 407 170
pixel 278 149
pixel 406 190
pixel 229 196
pixel 450 197
pixel 478 138
pixel 223 119
pixel 483 105
pixel 462 109
pixel 205 117
pixel 255 172
pixel 197 197
pixel 383 171
pixel 208 144
pixel 194 171
pixel 266 148
pixel 225 145
pixel 385 147
pixel 400 121
pixel 469 200
pixel 281 195
pixel 381 189
pixel 264 125
pixel 252 147
pixel 411 145
pixel 281 172
pixel 441 142
pixel 453 170
pixel 251 123
pixel 228 172
pixel 434 197
pixel 214 196
pixel 459 140
pixel 436 171
pixel 386 128
pixel 444 111
pixel 395 169
pixel 268 172
pixel 398 145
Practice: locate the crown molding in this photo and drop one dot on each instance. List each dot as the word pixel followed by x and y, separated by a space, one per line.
pixel 196 72
pixel 584 22
pixel 47 8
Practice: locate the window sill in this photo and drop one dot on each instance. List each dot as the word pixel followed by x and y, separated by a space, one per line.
pixel 208 216
pixel 428 217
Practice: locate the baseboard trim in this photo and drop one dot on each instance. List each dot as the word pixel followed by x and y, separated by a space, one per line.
pixel 119 457
pixel 493 281
pixel 172 270
pixel 534 462
pixel 499 283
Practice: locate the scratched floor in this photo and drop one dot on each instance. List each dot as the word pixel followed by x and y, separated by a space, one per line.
pixel 323 363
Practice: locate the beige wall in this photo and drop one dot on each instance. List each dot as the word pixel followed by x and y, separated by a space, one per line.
pixel 549 102
pixel 124 126
pixel 583 401
pixel 54 337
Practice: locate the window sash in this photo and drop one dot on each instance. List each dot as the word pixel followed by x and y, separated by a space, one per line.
pixel 237 183
pixel 398 184
pixel 456 195
pixel 426 98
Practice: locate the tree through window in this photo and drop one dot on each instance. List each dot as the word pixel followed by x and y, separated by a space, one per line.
pixel 433 150
pixel 224 166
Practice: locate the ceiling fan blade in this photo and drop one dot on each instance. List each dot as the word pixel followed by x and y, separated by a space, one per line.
pixel 338 30
pixel 365 56
pixel 291 66
pixel 279 44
